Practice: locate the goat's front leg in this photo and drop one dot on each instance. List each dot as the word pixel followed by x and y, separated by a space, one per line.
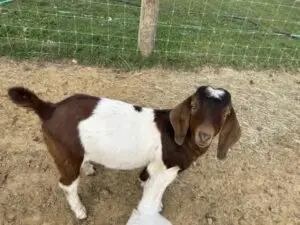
pixel 144 177
pixel 150 170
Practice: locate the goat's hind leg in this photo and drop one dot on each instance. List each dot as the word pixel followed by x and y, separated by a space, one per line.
pixel 144 176
pixel 69 166
pixel 69 182
pixel 71 192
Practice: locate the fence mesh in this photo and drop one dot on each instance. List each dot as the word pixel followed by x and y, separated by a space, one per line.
pixel 242 33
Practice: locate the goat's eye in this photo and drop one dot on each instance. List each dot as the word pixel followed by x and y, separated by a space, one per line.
pixel 193 108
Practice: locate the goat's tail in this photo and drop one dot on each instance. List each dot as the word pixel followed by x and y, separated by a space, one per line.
pixel 28 99
pixel 154 190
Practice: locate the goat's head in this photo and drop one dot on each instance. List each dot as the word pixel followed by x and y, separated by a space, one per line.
pixel 202 116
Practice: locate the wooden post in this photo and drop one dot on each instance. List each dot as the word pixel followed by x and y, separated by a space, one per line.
pixel 148 23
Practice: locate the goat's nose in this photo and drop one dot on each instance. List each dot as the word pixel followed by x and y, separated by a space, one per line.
pixel 204 136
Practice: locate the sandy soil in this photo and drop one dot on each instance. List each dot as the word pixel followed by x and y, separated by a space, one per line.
pixel 258 184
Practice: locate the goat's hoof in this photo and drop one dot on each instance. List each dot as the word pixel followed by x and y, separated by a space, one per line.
pixel 90 172
pixel 142 183
pixel 161 207
pixel 88 169
pixel 81 213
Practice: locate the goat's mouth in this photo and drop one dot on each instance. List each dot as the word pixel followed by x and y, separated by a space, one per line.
pixel 203 145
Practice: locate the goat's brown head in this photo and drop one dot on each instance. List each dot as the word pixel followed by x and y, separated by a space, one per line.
pixel 202 116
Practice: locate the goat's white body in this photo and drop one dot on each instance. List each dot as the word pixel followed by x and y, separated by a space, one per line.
pixel 120 137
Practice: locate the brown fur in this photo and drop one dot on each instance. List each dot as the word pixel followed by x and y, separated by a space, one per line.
pixel 59 127
pixel 61 134
pixel 197 113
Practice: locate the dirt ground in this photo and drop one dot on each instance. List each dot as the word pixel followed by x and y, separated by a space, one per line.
pixel 259 183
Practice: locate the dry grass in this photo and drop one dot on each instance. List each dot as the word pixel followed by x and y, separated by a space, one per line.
pixel 257 184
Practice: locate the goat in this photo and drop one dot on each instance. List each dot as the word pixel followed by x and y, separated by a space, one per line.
pixel 147 212
pixel 83 129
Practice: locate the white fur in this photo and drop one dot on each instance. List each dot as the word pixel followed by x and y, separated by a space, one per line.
pixel 147 212
pixel 215 93
pixel 119 137
pixel 73 198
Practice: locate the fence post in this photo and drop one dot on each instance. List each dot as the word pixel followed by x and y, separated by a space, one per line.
pixel 147 28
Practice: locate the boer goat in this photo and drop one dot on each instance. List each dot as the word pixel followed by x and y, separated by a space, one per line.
pixel 147 212
pixel 82 129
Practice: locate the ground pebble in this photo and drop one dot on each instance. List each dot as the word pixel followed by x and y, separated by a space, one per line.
pixel 209 220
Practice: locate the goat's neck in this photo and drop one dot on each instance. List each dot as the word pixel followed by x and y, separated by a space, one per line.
pixel 175 155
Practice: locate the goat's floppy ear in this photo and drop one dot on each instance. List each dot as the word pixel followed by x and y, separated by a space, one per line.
pixel 180 120
pixel 229 135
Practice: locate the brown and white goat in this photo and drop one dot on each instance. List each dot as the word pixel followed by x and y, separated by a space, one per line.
pixel 82 129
